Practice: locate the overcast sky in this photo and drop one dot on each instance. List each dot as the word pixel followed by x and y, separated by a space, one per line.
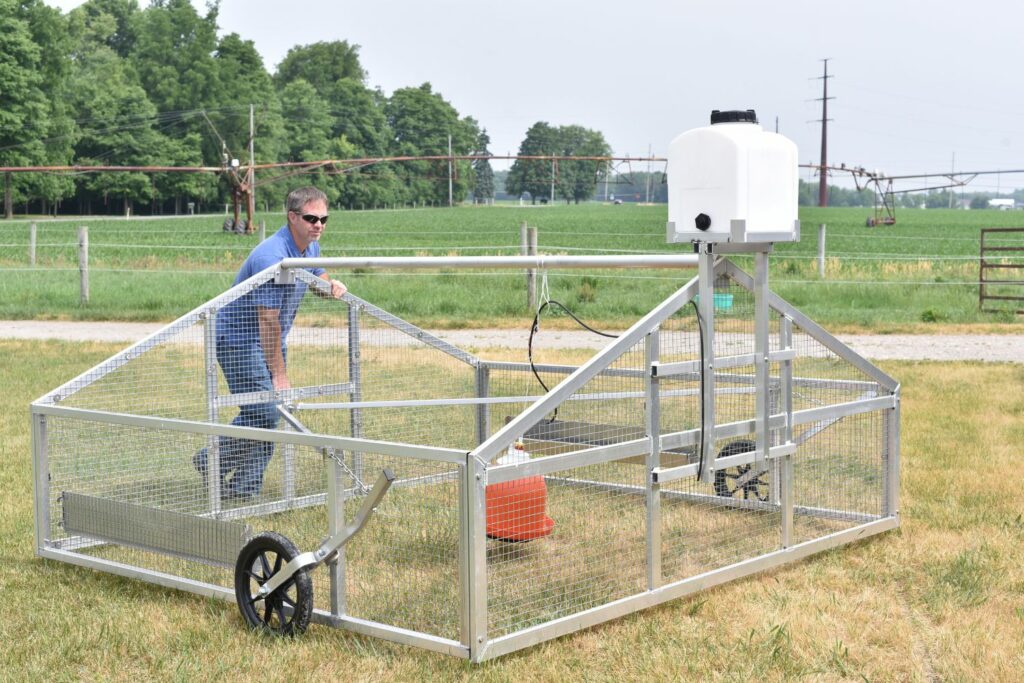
pixel 916 83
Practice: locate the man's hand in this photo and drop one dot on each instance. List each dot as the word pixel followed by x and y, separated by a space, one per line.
pixel 281 382
pixel 337 288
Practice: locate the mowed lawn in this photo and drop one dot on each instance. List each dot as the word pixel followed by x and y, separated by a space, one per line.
pixel 942 598
pixel 918 275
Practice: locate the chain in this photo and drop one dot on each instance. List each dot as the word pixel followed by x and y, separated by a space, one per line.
pixel 330 453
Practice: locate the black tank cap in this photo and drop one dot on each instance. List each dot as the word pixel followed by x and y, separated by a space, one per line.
pixel 733 116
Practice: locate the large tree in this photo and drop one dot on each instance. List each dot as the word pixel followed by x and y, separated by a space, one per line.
pixel 421 122
pixel 321 65
pixel 483 187
pixel 576 180
pixel 573 181
pixel 34 124
pixel 173 56
pixel 111 22
pixel 533 175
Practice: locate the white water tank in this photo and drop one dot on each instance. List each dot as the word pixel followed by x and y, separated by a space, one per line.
pixel 732 182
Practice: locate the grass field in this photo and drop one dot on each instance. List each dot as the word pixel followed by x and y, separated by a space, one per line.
pixel 940 599
pixel 920 274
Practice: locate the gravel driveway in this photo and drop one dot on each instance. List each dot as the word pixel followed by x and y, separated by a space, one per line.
pixel 1007 348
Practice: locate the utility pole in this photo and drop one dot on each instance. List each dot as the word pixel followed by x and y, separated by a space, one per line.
pixel 647 199
pixel 450 202
pixel 823 175
pixel 952 169
pixel 552 202
pixel 251 206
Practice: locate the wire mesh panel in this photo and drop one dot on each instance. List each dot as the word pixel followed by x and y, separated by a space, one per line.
pixel 594 554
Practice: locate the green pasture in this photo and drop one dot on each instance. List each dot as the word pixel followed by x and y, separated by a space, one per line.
pixel 942 598
pixel 921 272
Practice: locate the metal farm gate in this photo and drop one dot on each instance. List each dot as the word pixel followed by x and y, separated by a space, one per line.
pixel 682 455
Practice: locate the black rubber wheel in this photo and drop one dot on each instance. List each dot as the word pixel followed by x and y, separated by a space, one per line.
pixel 229 225
pixel 727 481
pixel 242 226
pixel 286 611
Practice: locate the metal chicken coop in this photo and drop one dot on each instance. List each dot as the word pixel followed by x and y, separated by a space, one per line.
pixel 692 450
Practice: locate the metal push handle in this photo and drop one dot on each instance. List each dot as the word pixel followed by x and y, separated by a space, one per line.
pixel 331 545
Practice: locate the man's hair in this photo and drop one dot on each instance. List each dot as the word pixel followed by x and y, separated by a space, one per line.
pixel 299 197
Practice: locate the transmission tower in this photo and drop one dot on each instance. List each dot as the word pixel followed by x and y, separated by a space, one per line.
pixel 823 174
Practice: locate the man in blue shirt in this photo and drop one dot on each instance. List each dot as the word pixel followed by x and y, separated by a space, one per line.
pixel 251 347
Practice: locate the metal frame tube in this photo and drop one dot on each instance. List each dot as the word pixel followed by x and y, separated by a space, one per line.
pixel 762 409
pixel 892 465
pixel 41 479
pixel 786 462
pixel 540 262
pixel 355 380
pixel 652 409
pixel 706 306
pixel 483 413
pixel 475 522
pixel 401 450
pixel 212 410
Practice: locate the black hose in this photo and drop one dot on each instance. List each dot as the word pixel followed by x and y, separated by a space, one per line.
pixel 700 337
pixel 535 327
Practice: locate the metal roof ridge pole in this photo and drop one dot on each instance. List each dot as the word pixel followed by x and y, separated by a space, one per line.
pixel 540 262
pixel 706 311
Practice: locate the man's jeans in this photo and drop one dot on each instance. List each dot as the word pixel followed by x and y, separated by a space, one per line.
pixel 245 370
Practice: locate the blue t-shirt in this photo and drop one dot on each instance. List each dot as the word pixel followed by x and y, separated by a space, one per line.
pixel 237 323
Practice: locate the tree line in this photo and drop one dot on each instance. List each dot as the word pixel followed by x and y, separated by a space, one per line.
pixel 114 84
pixel 933 199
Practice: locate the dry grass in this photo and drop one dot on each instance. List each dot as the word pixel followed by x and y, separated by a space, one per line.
pixel 940 599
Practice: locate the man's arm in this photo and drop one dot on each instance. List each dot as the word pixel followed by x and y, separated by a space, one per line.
pixel 337 288
pixel 270 339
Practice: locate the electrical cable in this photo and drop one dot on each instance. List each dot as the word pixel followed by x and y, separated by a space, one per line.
pixel 535 327
pixel 700 338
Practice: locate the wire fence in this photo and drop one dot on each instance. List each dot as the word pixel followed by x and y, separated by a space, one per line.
pixel 205 259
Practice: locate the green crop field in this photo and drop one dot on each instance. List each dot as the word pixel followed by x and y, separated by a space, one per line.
pixel 920 272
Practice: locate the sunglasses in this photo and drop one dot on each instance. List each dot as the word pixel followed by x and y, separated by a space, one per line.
pixel 313 219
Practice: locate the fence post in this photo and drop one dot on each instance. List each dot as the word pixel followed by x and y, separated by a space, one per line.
pixel 83 263
pixel 821 251
pixel 263 230
pixel 524 249
pixel 531 282
pixel 32 245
